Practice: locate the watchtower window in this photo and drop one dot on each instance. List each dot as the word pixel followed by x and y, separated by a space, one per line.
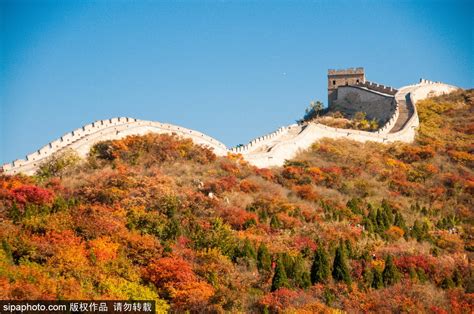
pixel 334 82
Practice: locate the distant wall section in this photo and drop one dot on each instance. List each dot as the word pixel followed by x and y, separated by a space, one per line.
pixel 352 99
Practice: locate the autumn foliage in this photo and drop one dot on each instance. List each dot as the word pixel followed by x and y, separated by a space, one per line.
pixel 344 226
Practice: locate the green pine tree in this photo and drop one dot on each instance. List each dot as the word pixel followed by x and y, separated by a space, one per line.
pixel 348 247
pixel 372 214
pixel 263 215
pixel 288 263
pixel 275 222
pixel 301 276
pixel 8 251
pixel 416 231
pixel 264 260
pixel 381 221
pixel 399 221
pixel 457 278
pixel 388 211
pixel 390 273
pixel 447 283
pixel 369 226
pixel 421 275
pixel 340 270
pixel 320 266
pixel 305 282
pixel 248 251
pixel 413 274
pixel 377 279
pixel 279 278
pixel 367 276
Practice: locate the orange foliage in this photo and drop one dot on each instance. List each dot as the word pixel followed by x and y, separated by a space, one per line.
pixel 265 173
pixel 395 232
pixel 248 186
pixel 278 300
pixel 288 221
pixel 237 217
pixel 461 157
pixel 174 277
pixel 306 192
pixel 104 249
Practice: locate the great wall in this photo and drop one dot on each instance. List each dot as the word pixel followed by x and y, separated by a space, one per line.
pixel 398 112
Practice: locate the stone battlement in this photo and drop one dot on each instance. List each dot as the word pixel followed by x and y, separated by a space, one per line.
pixel 358 70
pixel 82 139
pixel 260 141
pixel 269 150
pixel 378 87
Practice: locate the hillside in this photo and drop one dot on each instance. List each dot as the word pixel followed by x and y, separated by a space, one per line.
pixel 345 225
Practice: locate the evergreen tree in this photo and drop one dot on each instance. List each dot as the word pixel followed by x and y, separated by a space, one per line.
pixel 377 279
pixel 390 273
pixel 457 278
pixel 425 211
pixel 369 226
pixel 388 211
pixel 447 283
pixel 372 215
pixel 320 266
pixel 425 230
pixel 348 247
pixel 382 221
pixel 421 275
pixel 263 215
pixel 368 276
pixel 417 207
pixel 305 280
pixel 340 270
pixel 387 218
pixel 172 230
pixel 288 263
pixel 248 251
pixel 399 221
pixel 353 205
pixel 413 274
pixel 299 273
pixel 275 222
pixel 416 231
pixel 264 260
pixel 279 278
pixel 14 213
pixel 8 251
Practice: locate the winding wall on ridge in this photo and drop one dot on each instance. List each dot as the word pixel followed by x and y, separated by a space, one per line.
pixel 82 139
pixel 266 151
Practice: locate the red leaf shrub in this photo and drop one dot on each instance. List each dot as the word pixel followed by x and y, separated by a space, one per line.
pixel 32 194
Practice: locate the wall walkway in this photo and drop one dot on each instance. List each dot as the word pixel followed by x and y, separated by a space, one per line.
pixel 266 151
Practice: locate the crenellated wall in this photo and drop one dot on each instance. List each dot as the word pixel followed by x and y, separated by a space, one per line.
pixel 262 140
pixel 378 87
pixel 82 139
pixel 265 151
pixel 284 150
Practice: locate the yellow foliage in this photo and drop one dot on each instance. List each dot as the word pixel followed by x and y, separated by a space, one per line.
pixel 378 264
pixel 394 163
pixel 122 289
pixel 104 249
pixel 395 232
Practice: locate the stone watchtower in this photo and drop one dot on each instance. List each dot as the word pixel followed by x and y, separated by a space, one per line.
pixel 336 78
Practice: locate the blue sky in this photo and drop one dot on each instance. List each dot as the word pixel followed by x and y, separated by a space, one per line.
pixel 231 69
